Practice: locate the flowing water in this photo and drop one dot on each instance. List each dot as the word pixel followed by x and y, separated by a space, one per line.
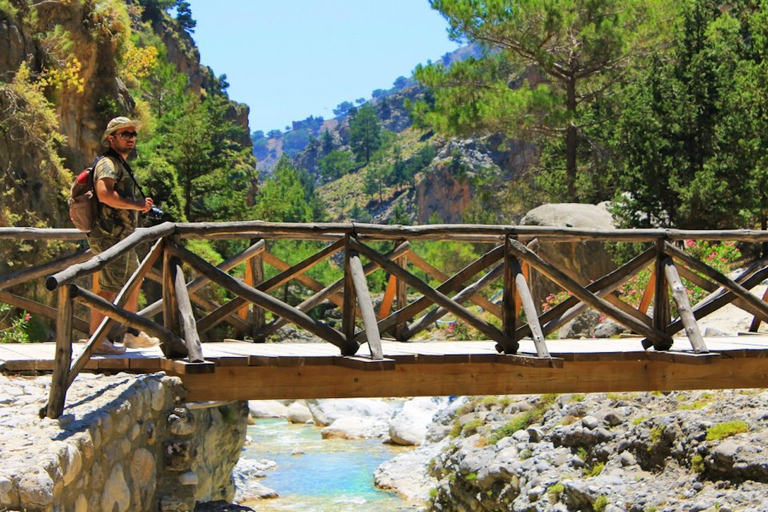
pixel 318 475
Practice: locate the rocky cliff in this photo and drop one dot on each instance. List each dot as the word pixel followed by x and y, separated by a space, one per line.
pixel 62 77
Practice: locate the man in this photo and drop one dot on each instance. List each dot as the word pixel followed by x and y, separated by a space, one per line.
pixel 118 217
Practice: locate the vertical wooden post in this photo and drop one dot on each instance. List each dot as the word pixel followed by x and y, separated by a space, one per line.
pixel 684 307
pixel 186 316
pixel 510 300
pixel 527 276
pixel 170 302
pixel 350 298
pixel 63 360
pixel 257 317
pixel 357 275
pixel 531 315
pixel 401 294
pixel 661 313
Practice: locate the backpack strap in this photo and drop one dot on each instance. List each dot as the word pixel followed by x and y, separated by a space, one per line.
pixel 114 154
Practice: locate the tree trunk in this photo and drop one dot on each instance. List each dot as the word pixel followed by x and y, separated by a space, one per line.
pixel 571 141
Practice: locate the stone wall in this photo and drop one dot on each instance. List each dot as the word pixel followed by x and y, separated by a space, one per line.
pixel 124 443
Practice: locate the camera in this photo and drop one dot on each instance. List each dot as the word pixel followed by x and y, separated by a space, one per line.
pixel 154 213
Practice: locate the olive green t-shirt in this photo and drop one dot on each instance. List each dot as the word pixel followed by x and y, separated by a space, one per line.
pixel 115 223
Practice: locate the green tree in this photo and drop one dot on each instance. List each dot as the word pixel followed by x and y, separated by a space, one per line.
pixel 375 179
pixel 184 16
pixel 547 62
pixel 689 129
pixel 336 164
pixel 217 175
pixel 342 108
pixel 365 133
pixel 288 196
pixel 282 197
pixel 326 144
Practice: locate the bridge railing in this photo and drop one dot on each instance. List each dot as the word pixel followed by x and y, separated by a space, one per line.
pixel 509 260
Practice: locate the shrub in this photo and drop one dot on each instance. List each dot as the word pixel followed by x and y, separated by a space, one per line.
pixel 15 330
pixel 600 503
pixel 555 491
pixel 697 463
pixel 727 429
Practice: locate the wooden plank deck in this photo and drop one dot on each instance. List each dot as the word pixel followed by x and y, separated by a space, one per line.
pixel 243 371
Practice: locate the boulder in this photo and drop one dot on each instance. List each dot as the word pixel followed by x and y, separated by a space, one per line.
pixel 408 427
pixel 267 409
pixel 298 412
pixel 354 428
pixel 581 261
pixel 325 412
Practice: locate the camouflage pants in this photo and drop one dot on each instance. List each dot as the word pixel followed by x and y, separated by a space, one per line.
pixel 113 277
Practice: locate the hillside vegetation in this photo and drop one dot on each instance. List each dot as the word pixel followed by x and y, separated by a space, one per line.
pixel 655 106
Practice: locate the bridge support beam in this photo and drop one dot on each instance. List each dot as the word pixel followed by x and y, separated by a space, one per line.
pixel 481 378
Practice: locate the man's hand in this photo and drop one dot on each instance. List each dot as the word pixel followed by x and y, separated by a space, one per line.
pixel 148 202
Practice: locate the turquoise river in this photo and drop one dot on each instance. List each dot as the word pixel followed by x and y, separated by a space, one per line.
pixel 318 475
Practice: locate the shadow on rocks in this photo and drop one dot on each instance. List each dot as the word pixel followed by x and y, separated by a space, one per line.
pixel 221 506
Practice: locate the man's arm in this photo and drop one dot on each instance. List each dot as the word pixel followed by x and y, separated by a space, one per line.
pixel 105 191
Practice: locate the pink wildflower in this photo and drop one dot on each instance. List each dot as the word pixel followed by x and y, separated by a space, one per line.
pixel 27 317
pixel 690 243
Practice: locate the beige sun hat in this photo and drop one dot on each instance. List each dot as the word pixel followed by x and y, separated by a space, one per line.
pixel 116 124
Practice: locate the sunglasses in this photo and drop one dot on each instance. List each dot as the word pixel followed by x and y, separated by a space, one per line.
pixel 127 135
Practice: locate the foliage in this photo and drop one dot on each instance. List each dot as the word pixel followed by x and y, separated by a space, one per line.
pixel 138 62
pixel 691 125
pixel 581 48
pixel 523 420
pixel 184 16
pixel 13 328
pixel 293 252
pixel 594 470
pixel 697 463
pixel 600 504
pixel 295 140
pixel 336 164
pixel 342 109
pixel 198 140
pixel 727 429
pixel 554 492
pixel 8 8
pixel 110 22
pixel 28 120
pixel 286 198
pixel 365 133
pixel 719 255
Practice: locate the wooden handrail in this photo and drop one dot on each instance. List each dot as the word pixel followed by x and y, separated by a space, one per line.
pixel 671 267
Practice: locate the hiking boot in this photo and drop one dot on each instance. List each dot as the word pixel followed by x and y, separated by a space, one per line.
pixel 108 348
pixel 141 340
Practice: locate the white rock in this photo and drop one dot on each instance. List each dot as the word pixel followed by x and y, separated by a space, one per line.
pixel 325 412
pixel 298 412
pixel 116 495
pixel 36 490
pixel 409 425
pixel 354 428
pixel 267 409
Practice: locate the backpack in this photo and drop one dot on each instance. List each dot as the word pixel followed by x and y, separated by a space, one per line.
pixel 83 203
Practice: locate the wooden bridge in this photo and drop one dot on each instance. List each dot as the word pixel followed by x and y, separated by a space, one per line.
pixel 517 358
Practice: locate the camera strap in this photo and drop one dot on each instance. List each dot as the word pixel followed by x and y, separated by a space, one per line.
pixel 111 152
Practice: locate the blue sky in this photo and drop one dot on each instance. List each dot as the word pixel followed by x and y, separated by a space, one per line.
pixel 291 59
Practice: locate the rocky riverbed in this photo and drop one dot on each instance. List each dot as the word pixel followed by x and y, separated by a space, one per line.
pixel 642 452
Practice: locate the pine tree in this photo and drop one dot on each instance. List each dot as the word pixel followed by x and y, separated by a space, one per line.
pixel 365 133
